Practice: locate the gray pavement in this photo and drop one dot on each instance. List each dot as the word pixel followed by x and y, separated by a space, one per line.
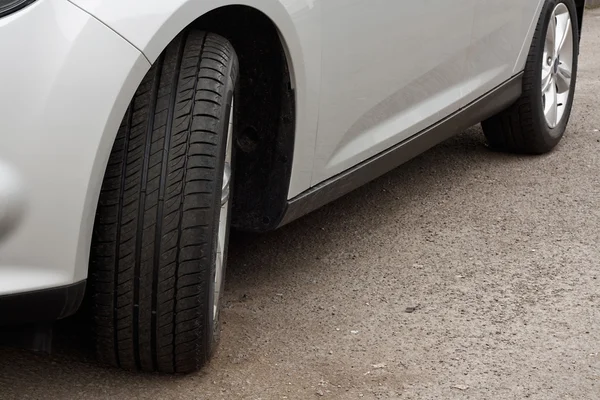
pixel 464 274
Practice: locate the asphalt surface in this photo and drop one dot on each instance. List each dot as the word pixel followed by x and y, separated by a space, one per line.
pixel 464 274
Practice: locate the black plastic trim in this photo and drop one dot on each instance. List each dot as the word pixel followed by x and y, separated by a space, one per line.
pixel 41 305
pixel 484 107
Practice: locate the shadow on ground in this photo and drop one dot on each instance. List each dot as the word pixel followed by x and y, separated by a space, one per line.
pixel 261 265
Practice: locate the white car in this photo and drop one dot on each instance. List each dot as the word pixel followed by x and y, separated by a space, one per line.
pixel 135 133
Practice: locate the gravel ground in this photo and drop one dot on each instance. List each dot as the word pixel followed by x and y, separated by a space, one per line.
pixel 464 274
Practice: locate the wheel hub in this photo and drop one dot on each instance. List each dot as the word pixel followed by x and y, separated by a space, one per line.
pixel 223 217
pixel 557 65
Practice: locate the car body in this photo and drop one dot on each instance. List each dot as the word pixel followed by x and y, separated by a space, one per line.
pixel 337 93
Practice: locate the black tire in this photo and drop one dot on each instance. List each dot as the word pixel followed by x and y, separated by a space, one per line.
pixel 522 128
pixel 154 241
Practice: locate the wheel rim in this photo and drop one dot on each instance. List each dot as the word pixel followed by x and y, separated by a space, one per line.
pixel 223 218
pixel 557 65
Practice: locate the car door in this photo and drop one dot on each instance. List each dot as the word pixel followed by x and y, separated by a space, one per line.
pixel 390 68
pixel 502 32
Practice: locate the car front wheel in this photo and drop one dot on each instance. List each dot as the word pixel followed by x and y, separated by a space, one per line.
pixel 160 237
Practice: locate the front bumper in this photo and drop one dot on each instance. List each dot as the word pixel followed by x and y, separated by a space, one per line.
pixel 66 80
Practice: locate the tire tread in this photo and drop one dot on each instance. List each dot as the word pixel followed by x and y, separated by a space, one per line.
pixel 152 241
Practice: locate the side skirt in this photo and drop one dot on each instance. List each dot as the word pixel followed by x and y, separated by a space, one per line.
pixel 484 107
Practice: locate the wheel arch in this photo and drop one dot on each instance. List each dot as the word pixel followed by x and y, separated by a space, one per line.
pixel 522 58
pixel 265 115
pixel 266 120
pixel 265 160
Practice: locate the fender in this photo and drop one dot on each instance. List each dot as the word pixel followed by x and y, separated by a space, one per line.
pixel 150 25
pixel 522 59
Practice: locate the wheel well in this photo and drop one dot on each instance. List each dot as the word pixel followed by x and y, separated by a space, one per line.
pixel 264 116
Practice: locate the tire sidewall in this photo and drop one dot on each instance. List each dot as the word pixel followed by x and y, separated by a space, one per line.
pixel 552 136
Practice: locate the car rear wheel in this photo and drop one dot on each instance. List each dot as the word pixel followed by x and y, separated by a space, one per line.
pixel 536 123
pixel 160 237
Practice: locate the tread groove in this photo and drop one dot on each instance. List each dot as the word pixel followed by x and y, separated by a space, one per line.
pixel 141 210
pixel 181 211
pixel 167 144
pixel 118 237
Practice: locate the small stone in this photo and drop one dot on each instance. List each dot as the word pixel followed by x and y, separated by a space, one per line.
pixel 354 332
pixel 410 310
pixel 378 366
pixel 460 387
pixel 320 393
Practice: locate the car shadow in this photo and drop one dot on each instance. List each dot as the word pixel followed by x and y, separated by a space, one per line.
pixel 254 259
pixel 259 263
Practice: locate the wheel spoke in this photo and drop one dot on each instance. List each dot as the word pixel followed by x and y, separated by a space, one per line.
pixel 550 46
pixel 219 265
pixel 565 70
pixel 546 79
pixel 563 80
pixel 563 33
pixel 226 183
pixel 551 105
